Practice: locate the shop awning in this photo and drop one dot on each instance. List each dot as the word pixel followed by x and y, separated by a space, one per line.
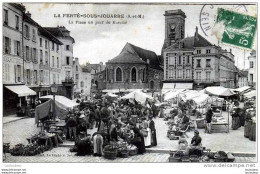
pixel 250 94
pixel 61 101
pixel 21 90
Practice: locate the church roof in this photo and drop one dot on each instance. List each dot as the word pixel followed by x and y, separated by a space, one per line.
pixel 133 54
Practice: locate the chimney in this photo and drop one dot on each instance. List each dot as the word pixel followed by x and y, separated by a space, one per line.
pixel 28 14
pixel 196 33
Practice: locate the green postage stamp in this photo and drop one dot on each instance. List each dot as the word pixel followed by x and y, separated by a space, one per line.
pixel 239 29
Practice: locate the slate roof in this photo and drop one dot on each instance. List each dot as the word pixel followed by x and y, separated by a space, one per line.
pixel 136 55
pixel 41 29
pixel 59 32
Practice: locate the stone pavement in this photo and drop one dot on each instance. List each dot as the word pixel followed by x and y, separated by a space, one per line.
pixel 11 118
pixel 62 154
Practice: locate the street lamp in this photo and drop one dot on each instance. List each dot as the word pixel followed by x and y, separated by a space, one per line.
pixel 54 90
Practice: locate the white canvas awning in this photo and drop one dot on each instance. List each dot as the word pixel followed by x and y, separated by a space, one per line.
pixel 172 94
pixel 244 88
pixel 218 91
pixel 177 86
pixel 189 94
pixel 21 90
pixel 138 95
pixel 250 94
pixel 62 101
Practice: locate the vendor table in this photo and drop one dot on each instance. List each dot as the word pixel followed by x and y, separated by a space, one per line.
pixel 220 123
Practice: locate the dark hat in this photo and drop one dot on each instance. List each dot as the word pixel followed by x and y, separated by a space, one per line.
pixel 196 132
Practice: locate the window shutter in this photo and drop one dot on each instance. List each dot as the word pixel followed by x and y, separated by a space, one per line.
pixel 29 32
pixel 15 47
pixel 15 74
pixel 9 48
pixel 3 45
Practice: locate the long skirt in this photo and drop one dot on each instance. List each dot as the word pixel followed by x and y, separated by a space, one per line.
pixel 154 139
pixel 246 129
pixel 98 144
pixel 235 123
pixel 252 132
pixel 148 139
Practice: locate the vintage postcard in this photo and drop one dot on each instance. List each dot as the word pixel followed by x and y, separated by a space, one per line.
pixel 129 82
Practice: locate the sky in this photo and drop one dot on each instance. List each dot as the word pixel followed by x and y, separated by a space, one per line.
pixel 102 42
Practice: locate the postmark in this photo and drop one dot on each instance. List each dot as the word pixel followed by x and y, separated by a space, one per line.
pixel 239 29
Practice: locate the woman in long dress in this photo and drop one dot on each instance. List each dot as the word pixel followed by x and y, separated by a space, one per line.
pixel 98 144
pixel 148 138
pixel 153 131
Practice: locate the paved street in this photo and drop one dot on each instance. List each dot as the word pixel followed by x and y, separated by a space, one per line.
pixel 62 154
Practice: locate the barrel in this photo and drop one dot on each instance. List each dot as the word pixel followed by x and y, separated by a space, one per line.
pixel 252 133
pixel 246 129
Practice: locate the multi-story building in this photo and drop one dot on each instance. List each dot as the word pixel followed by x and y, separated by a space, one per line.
pixel 65 59
pixel 252 73
pixel 82 79
pixel 193 62
pixel 242 78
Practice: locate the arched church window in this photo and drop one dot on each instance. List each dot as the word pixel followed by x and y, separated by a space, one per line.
pixel 119 75
pixel 133 75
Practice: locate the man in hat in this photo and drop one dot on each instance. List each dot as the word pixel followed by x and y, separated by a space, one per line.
pixel 151 125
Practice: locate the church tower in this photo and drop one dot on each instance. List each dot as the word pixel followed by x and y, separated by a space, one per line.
pixel 174 27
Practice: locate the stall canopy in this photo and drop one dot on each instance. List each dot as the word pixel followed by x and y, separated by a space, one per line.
pixel 138 95
pixel 218 91
pixel 174 86
pixel 21 90
pixel 242 89
pixel 250 94
pixel 61 101
pixel 189 94
pixel 111 95
pixel 201 99
pixel 172 94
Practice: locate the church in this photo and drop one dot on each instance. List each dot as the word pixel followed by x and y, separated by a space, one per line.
pixel 193 62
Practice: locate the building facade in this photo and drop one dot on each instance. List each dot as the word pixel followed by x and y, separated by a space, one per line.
pixel 252 72
pixel 242 78
pixel 193 62
pixel 82 80
pixel 133 68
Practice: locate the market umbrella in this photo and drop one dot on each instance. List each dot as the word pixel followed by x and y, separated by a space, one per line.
pixel 111 95
pixel 61 101
pixel 172 94
pixel 250 94
pixel 138 95
pixel 244 88
pixel 189 94
pixel 218 91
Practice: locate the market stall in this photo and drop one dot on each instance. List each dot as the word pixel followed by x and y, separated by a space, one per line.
pixel 138 95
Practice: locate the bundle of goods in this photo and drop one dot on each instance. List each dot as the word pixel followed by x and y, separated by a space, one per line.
pixel 84 146
pixel 29 150
pixel 122 149
pixel 18 150
pixel 132 150
pixel 220 156
pixel 110 152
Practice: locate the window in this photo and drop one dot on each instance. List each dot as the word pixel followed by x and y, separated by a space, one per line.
pixel 67 74
pixel 19 73
pixel 58 63
pixel 5 17
pixel 179 60
pixel 53 61
pixel 187 73
pixel 171 73
pixel 198 63
pixel 41 56
pixel 46 57
pixel 76 67
pixel 119 75
pixel 41 76
pixel 34 55
pixel 40 42
pixel 179 73
pixel 208 76
pixel 7 72
pixel 28 76
pixel 27 31
pixel 198 75
pixel 198 51
pixel 27 52
pixel 133 75
pixel 188 59
pixel 7 45
pixel 67 47
pixel 58 80
pixel 46 44
pixel 251 64
pixel 58 48
pixel 54 78
pixel 16 22
pixel 208 51
pixel 207 62
pixel 34 36
pixel 77 76
pixel 35 77
pixel 68 60
pixel 251 77
pixel 52 45
pixel 82 84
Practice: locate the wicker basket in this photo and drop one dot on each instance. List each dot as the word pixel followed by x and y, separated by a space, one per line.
pixel 133 152
pixel 194 158
pixel 124 154
pixel 185 158
pixel 110 154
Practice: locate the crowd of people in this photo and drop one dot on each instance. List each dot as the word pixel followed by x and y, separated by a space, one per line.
pixel 115 121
